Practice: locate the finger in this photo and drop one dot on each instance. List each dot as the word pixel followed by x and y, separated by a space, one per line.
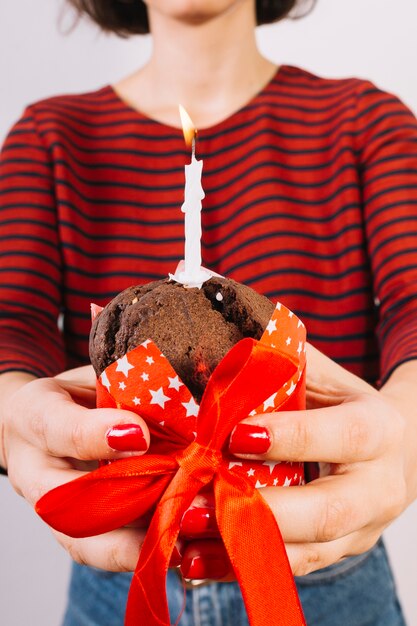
pixel 328 379
pixel 199 520
pixel 206 559
pixel 83 376
pixel 32 474
pixel 47 417
pixel 347 433
pixel 330 507
pixel 80 384
pixel 116 551
pixel 310 557
pixel 46 474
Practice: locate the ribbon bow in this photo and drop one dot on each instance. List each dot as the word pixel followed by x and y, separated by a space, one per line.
pixel 116 494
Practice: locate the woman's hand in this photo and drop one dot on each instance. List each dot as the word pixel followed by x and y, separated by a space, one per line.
pixel 358 436
pixel 52 434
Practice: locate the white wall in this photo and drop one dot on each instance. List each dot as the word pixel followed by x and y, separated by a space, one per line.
pixel 374 39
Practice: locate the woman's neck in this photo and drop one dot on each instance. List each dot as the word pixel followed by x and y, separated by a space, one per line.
pixel 212 68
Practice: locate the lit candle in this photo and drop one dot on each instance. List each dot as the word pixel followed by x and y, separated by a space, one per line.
pixel 189 272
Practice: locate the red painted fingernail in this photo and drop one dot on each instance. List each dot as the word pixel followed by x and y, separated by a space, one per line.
pixel 249 439
pixel 211 563
pixel 126 437
pixel 199 521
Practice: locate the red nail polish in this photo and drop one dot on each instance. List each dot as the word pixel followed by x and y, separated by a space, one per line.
pixel 126 437
pixel 249 439
pixel 199 521
pixel 210 561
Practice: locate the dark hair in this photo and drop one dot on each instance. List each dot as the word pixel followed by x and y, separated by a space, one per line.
pixel 129 17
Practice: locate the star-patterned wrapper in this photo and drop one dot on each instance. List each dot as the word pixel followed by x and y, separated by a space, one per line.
pixel 189 453
pixel 143 381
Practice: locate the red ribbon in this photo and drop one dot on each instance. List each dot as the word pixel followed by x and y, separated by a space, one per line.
pixel 116 494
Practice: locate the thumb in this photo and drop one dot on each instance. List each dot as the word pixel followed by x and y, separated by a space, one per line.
pixel 328 382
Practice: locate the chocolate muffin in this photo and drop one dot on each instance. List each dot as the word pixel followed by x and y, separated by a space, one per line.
pixel 194 328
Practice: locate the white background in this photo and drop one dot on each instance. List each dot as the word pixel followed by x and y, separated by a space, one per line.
pixel 373 39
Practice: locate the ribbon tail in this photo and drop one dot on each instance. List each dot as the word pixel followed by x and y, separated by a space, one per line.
pixel 147 602
pixel 251 537
pixel 107 498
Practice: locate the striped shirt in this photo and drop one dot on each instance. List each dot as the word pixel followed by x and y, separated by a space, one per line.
pixel 311 199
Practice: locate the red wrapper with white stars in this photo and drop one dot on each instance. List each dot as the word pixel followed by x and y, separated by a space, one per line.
pixel 143 381
pixel 189 453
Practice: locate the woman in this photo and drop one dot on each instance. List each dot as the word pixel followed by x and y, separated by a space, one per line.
pixel 311 199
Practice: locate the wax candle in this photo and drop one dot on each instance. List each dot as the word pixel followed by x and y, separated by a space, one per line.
pixel 189 272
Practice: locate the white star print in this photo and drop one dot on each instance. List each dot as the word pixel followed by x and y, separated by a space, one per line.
pixel 287 482
pixel 276 481
pixel 272 325
pixel 233 463
pixel 300 323
pixel 105 381
pixel 191 408
pixel 124 366
pixel 259 485
pixel 288 341
pixel 122 386
pixel 250 472
pixel 291 389
pixel 278 307
pixel 174 383
pixel 162 423
pixel 270 402
pixel 149 360
pixel 136 401
pixel 290 314
pixel 300 347
pixel 146 343
pixel 144 376
pixel 158 397
pixel 271 465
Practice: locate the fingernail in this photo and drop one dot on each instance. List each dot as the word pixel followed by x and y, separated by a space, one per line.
pixel 199 521
pixel 126 437
pixel 249 439
pixel 212 564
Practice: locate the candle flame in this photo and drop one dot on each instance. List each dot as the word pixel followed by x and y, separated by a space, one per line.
pixel 188 127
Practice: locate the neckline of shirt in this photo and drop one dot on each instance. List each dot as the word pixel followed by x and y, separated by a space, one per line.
pixel 275 79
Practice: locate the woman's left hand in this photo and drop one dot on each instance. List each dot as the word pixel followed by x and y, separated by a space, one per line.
pixel 358 437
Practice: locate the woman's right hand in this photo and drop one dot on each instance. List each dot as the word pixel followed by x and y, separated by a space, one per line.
pixel 52 434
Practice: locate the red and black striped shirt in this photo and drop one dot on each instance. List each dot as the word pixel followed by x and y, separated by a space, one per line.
pixel 311 198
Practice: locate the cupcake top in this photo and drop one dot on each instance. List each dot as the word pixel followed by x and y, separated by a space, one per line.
pixel 194 328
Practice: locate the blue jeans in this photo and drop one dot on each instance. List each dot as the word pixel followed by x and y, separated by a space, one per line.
pixel 359 591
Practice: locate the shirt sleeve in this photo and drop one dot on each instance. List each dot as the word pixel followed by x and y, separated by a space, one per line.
pixel 388 165
pixel 30 267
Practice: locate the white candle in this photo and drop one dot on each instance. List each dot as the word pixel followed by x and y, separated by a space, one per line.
pixel 193 196
pixel 189 272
